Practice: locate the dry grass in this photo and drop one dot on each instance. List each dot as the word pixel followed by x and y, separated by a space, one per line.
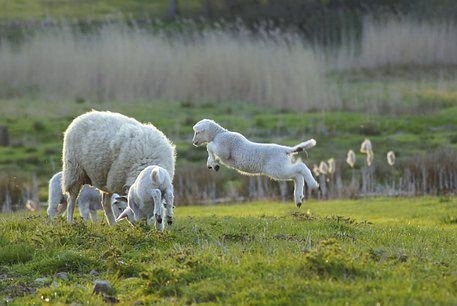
pixel 269 68
pixel 400 42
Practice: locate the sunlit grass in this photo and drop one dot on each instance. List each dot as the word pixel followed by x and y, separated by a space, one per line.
pixel 389 251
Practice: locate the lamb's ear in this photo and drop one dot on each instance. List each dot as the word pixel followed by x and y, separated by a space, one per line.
pixel 125 189
pixel 124 214
pixel 197 127
pixel 121 198
pixel 155 175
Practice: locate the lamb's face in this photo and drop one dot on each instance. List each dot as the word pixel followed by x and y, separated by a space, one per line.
pixel 201 132
pixel 118 204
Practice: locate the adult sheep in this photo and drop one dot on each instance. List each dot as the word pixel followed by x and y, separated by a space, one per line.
pixel 108 150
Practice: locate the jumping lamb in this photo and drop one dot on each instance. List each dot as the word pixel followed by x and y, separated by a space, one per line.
pixel 88 200
pixel 151 189
pixel 108 151
pixel 235 151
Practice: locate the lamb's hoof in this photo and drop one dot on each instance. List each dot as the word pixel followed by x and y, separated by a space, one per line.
pixel 298 205
pixel 216 167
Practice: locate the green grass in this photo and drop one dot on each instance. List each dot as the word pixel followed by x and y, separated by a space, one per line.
pixel 93 9
pixel 370 251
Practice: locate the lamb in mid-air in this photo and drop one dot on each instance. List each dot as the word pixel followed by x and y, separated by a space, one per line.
pixel 235 151
pixel 108 151
pixel 89 200
pixel 151 196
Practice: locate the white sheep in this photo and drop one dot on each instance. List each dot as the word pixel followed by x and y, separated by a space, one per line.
pixel 108 151
pixel 88 200
pixel 151 189
pixel 235 151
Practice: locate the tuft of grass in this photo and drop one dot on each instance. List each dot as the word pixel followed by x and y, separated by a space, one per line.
pixel 15 253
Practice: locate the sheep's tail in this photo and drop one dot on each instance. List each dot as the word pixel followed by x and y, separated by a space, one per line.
pixel 302 146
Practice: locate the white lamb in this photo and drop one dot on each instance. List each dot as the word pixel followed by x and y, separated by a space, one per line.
pixel 149 196
pixel 235 151
pixel 88 200
pixel 108 151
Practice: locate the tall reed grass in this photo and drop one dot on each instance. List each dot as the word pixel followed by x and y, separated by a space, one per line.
pixel 268 67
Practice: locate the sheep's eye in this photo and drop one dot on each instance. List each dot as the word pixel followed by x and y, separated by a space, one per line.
pixel 165 205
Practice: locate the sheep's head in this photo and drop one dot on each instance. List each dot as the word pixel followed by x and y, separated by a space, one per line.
pixel 204 132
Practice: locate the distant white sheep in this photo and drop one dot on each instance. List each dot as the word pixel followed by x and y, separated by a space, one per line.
pixel 235 151
pixel 88 200
pixel 108 151
pixel 151 189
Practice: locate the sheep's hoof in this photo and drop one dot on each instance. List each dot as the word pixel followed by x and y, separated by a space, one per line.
pixel 298 204
pixel 216 167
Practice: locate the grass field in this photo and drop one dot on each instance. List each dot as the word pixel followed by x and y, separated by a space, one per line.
pixel 367 252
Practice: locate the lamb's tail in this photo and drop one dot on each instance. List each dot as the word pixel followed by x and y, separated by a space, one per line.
pixel 302 146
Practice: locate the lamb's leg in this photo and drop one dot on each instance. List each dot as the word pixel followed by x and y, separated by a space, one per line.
pixel 94 215
pixel 84 211
pixel 212 160
pixel 299 183
pixel 308 176
pixel 106 203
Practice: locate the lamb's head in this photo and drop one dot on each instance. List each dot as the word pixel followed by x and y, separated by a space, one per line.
pixel 204 131
pixel 118 204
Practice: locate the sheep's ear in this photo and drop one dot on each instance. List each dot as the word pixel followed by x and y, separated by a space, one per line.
pixel 121 199
pixel 124 214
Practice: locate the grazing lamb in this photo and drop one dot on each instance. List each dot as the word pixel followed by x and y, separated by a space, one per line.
pixel 152 187
pixel 235 151
pixel 88 200
pixel 108 151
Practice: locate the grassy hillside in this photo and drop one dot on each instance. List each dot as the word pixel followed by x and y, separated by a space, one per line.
pixel 376 251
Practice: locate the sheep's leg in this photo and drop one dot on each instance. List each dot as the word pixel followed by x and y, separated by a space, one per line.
pixel 212 159
pixel 299 183
pixel 106 203
pixel 71 206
